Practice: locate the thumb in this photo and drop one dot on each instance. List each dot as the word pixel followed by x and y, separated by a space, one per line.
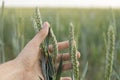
pixel 30 53
pixel 41 35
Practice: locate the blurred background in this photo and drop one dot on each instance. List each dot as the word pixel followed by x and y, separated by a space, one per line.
pixel 91 19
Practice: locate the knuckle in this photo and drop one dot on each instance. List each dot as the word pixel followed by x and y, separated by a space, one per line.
pixel 78 54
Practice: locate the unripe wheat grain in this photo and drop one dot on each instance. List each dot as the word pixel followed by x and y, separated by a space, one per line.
pixel 73 53
pixel 110 52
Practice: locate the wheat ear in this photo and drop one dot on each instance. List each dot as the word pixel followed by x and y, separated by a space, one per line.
pixel 110 52
pixel 73 53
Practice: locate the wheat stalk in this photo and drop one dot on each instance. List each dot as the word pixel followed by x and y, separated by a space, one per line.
pixel 110 52
pixel 2 52
pixel 47 61
pixel 73 53
pixel 54 42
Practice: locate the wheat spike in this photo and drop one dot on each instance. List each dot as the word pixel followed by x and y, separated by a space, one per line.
pixel 54 43
pixel 110 52
pixel 73 53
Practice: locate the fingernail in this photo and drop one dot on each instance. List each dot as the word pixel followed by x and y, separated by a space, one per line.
pixel 46 24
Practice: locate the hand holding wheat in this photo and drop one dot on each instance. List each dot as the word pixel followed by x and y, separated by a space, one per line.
pixel 26 65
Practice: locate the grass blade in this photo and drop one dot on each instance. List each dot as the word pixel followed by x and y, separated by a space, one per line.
pixel 59 71
pixel 84 71
pixel 2 52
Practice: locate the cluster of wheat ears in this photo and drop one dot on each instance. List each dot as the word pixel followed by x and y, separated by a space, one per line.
pixel 49 60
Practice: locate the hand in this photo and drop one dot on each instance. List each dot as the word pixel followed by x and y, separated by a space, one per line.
pixel 26 66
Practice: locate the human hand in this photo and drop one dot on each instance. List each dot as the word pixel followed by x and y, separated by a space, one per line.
pixel 27 62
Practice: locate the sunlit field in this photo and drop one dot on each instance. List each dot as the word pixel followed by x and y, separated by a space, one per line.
pixel 91 27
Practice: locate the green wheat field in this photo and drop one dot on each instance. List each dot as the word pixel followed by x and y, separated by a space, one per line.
pixel 91 30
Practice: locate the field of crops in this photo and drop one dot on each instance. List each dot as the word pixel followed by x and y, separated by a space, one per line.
pixel 91 26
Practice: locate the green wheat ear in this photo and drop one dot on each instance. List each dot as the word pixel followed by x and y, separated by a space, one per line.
pixel 54 43
pixel 38 19
pixel 110 52
pixel 73 53
pixel 48 60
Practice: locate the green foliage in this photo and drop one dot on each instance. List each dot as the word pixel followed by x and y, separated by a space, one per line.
pixel 117 74
pixel 18 37
pixel 89 27
pixel 59 71
pixel 84 72
pixel 2 53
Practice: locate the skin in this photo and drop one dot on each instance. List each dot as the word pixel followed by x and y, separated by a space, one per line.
pixel 26 65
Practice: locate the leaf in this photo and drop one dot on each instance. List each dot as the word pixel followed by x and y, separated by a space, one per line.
pixel 43 62
pixel 59 71
pixel 50 66
pixel 40 78
pixel 116 72
pixel 84 71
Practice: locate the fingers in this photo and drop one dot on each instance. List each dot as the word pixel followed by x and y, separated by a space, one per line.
pixel 61 46
pixel 40 36
pixel 67 66
pixel 66 56
pixel 65 78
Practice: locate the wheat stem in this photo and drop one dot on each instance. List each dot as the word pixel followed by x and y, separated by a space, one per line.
pixel 2 52
pixel 73 53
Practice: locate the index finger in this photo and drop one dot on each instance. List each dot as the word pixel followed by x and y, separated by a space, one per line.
pixel 66 78
pixel 61 46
